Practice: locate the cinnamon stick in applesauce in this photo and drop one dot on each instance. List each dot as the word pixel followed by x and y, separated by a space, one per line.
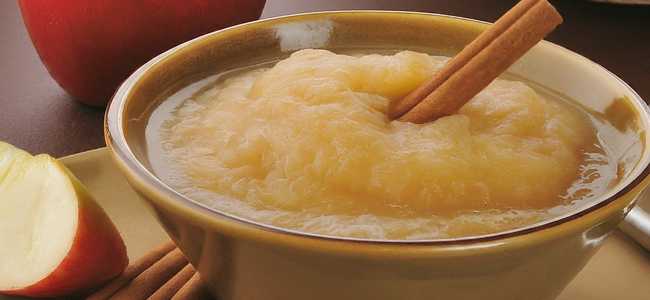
pixel 479 63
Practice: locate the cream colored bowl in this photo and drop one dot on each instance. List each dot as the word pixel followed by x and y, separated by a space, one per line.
pixel 240 259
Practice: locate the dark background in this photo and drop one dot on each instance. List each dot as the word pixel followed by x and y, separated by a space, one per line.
pixel 37 115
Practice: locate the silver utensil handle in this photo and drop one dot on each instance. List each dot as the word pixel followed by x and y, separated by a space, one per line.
pixel 637 226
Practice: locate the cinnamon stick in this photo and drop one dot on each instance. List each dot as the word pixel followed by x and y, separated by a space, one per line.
pixel 145 284
pixel 479 63
pixel 132 271
pixel 171 287
pixel 192 290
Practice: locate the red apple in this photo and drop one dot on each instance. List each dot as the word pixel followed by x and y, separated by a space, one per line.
pixel 90 47
pixel 55 239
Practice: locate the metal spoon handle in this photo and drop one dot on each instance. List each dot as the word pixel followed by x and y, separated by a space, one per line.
pixel 637 223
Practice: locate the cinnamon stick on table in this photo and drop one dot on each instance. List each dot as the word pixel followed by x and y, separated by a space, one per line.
pixel 132 271
pixel 163 273
pixel 171 287
pixel 479 63
pixel 149 281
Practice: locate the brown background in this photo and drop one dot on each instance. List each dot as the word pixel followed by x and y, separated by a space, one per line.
pixel 37 115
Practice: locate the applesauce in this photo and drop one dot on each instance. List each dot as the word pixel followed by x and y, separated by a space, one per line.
pixel 305 144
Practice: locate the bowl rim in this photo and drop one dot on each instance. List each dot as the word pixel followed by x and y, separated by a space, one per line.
pixel 139 175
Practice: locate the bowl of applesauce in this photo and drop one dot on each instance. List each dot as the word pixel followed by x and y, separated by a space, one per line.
pixel 265 152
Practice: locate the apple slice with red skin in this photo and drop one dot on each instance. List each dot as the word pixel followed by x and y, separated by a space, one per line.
pixel 90 47
pixel 55 239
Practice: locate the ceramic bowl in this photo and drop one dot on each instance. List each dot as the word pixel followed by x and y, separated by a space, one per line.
pixel 240 259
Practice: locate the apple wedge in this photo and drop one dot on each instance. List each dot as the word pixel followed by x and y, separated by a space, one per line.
pixel 55 239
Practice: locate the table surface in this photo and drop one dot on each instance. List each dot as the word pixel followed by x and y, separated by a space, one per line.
pixel 37 115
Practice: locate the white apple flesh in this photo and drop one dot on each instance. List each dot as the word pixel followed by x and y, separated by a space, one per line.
pixel 54 239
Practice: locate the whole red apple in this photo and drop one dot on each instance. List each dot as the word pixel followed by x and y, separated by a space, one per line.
pixel 90 47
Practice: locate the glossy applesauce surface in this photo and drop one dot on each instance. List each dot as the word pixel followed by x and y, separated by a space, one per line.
pixel 305 144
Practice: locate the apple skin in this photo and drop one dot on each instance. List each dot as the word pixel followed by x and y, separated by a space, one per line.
pixel 97 255
pixel 90 47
